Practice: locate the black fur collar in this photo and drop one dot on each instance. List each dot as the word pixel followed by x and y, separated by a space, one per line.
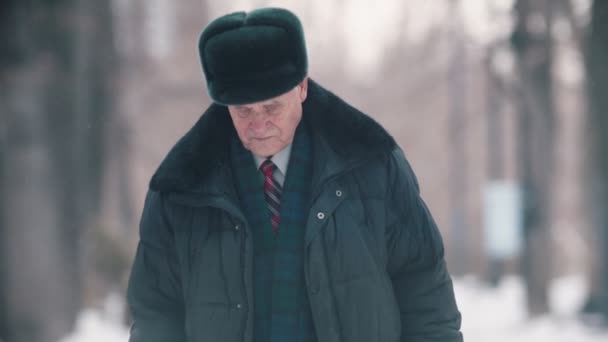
pixel 348 132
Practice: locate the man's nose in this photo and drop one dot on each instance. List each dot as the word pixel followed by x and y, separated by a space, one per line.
pixel 258 121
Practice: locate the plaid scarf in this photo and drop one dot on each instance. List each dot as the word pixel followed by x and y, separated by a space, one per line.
pixel 281 306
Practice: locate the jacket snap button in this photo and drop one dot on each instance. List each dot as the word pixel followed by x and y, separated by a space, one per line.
pixel 338 193
pixel 238 306
pixel 237 227
pixel 320 215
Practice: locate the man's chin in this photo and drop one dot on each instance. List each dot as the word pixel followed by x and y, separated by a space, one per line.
pixel 261 152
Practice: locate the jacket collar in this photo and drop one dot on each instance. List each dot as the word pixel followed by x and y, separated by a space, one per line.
pixel 342 136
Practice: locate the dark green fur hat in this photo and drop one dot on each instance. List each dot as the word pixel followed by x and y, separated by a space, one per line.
pixel 251 57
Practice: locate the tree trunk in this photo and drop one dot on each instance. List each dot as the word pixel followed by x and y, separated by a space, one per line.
pixel 495 146
pixel 457 137
pixel 597 162
pixel 533 48
pixel 54 76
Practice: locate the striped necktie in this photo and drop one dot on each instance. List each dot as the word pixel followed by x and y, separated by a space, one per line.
pixel 272 192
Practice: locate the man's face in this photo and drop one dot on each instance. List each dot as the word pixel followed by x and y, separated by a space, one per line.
pixel 266 127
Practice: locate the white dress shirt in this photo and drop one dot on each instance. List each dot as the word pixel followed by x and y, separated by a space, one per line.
pixel 281 160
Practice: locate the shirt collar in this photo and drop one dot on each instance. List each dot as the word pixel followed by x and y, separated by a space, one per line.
pixel 280 159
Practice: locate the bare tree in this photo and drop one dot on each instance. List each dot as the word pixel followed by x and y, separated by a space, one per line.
pixel 495 144
pixel 457 133
pixel 532 45
pixel 54 72
pixel 596 52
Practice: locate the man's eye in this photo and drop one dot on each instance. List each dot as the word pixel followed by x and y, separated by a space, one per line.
pixel 272 109
pixel 243 113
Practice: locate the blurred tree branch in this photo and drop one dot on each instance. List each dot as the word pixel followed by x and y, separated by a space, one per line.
pixel 532 44
pixel 577 27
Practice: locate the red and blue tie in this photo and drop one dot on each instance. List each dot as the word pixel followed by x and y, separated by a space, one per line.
pixel 272 192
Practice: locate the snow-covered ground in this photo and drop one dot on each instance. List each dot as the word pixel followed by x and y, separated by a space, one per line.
pixel 499 315
pixel 489 314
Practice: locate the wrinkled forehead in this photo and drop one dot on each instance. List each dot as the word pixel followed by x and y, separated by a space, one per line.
pixel 270 102
pixel 266 103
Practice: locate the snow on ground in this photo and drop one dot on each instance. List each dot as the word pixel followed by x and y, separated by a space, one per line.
pixel 92 326
pixel 101 325
pixel 489 314
pixel 498 315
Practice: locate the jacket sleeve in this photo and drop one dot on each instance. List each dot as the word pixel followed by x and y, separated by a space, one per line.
pixel 154 292
pixel 415 257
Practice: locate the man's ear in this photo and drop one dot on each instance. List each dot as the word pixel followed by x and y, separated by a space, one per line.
pixel 303 89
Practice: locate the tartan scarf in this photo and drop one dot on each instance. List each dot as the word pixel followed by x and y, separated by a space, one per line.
pixel 281 305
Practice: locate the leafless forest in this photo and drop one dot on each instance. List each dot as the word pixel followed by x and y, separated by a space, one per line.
pixel 94 93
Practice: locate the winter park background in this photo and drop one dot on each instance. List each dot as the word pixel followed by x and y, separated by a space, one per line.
pixel 498 104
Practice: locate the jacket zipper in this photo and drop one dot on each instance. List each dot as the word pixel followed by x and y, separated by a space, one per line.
pixel 245 272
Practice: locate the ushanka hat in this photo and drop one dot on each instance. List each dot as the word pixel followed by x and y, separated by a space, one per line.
pixel 254 56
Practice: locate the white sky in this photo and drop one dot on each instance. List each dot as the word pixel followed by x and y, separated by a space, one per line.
pixel 367 27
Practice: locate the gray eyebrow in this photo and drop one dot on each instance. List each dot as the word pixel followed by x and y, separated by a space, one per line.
pixel 273 103
pixel 243 107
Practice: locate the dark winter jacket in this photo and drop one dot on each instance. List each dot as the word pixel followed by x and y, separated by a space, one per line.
pixel 374 259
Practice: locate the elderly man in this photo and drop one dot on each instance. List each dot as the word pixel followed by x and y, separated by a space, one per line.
pixel 285 214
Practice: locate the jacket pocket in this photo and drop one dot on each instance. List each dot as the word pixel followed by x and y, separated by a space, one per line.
pixel 214 321
pixel 350 244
